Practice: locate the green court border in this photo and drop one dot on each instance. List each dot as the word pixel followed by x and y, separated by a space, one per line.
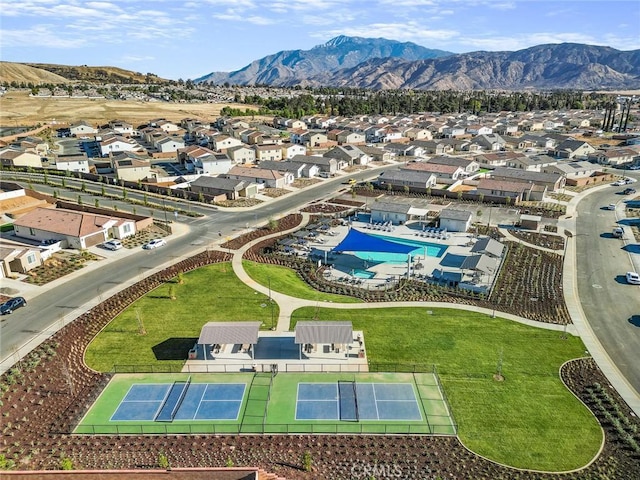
pixel 269 406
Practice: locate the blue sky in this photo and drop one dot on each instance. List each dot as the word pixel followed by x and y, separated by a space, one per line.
pixel 187 39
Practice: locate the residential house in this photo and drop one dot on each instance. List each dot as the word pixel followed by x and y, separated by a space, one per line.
pixel 327 165
pixel 509 129
pixel 76 229
pixel 267 152
pixel 222 142
pixel 131 169
pixel 314 139
pixel 168 144
pixel 613 156
pixel 31 144
pixel 116 143
pixel 477 129
pixel 122 128
pixel 407 179
pixel 73 163
pixel 433 147
pixel 469 165
pixel 348 137
pixel 166 126
pixel 17 259
pixel 261 176
pixel 242 155
pixel 298 169
pixel 82 129
pixel 417 134
pixel 491 142
pixel 512 191
pixel 498 159
pixel 348 155
pixel 11 157
pixel 377 154
pixel 447 174
pixel 290 150
pixel 552 181
pixel 576 173
pixel 533 164
pixel 571 148
pixel 453 131
pixel 230 188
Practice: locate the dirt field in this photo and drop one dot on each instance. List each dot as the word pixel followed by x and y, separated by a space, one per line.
pixel 18 108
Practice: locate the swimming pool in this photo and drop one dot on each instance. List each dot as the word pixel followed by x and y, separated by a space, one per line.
pixel 431 250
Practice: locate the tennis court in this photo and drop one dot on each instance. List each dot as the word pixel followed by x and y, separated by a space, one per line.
pixel 272 403
pixel 355 401
pixel 180 401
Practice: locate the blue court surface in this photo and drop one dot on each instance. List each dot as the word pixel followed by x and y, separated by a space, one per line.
pixel 167 402
pixel 351 401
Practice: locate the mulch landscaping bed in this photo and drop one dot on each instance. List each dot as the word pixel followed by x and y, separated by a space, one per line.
pixel 554 242
pixel 324 208
pixel 285 223
pixel 57 266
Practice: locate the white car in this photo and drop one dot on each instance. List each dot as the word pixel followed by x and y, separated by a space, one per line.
pixel 629 180
pixel 155 243
pixel 633 278
pixel 112 245
pixel 619 183
pixel 611 206
pixel 634 167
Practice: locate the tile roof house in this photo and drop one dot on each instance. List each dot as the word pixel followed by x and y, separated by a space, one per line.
pixel 77 229
pixel 444 173
pixel 511 190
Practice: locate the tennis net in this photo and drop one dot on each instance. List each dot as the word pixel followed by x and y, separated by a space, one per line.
pixel 348 401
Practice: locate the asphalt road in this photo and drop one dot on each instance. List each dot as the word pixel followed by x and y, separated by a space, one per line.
pixel 611 306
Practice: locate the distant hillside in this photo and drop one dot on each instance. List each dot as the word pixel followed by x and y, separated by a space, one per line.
pixel 290 67
pixel 566 66
pixel 39 73
pixel 19 73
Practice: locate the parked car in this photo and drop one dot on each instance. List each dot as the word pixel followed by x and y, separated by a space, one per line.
pixel 629 191
pixel 611 206
pixel 155 243
pixel 634 167
pixel 618 183
pixel 618 232
pixel 633 278
pixel 112 245
pixel 10 305
pixel 630 180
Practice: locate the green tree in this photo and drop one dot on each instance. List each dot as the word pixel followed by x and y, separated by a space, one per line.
pixel 96 202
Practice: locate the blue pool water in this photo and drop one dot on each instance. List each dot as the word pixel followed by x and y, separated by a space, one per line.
pixel 432 250
pixel 363 274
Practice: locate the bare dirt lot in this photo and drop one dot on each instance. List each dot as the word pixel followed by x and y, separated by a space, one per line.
pixel 18 108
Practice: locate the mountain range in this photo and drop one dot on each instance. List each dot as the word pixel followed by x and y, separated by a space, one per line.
pixel 387 64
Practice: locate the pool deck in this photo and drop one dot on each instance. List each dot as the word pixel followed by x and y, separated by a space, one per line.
pixel 347 267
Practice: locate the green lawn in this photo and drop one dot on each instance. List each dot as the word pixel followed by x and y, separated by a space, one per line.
pixel 209 294
pixel 530 420
pixel 286 280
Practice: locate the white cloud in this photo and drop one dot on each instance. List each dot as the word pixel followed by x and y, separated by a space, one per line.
pixel 37 36
pixel 409 32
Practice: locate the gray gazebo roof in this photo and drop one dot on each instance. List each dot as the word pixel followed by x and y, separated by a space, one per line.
pixel 489 246
pixel 222 333
pixel 479 262
pixel 324 332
